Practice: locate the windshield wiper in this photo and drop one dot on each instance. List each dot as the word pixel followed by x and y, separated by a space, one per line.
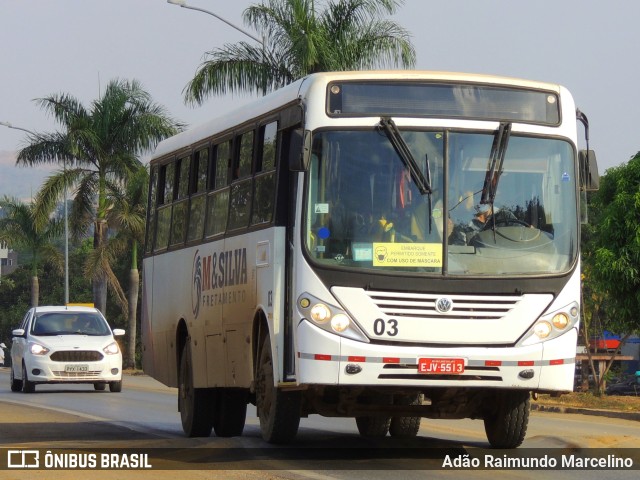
pixel 400 146
pixel 495 167
pixel 496 163
pixel 402 149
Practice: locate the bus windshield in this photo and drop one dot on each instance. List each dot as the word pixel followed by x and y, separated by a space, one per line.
pixel 364 209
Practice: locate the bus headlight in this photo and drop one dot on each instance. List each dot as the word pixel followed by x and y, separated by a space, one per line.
pixel 320 313
pixel 552 325
pixel 340 322
pixel 542 329
pixel 330 318
pixel 560 321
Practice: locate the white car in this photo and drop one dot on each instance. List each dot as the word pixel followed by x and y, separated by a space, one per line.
pixel 65 344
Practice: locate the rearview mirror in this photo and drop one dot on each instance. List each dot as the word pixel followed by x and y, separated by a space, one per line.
pixel 589 177
pixel 18 332
pixel 118 332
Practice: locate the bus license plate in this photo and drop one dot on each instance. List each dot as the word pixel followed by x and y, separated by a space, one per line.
pixel 441 365
pixel 76 368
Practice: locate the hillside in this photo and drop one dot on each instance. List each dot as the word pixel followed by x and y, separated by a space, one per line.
pixel 21 182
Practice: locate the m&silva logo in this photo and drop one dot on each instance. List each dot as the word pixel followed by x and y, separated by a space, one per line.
pixel 213 274
pixel 196 284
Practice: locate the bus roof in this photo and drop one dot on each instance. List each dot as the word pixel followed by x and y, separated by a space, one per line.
pixel 297 89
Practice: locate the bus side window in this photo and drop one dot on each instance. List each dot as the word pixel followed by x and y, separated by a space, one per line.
pixel 265 182
pixel 151 208
pixel 241 188
pixel 198 195
pixel 218 200
pixel 165 197
pixel 181 201
pixel 242 167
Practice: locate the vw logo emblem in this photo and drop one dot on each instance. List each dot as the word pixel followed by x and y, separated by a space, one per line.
pixel 444 305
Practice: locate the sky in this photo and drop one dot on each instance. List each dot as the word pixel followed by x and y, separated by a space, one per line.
pixel 78 46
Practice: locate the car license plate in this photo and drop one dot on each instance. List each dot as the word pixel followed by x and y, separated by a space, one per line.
pixel 76 368
pixel 441 365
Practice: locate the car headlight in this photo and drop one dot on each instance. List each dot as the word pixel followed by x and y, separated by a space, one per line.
pixel 37 349
pixel 111 349
pixel 552 325
pixel 329 317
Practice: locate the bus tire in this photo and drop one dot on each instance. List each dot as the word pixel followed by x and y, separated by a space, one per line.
pixel 99 387
pixel 406 427
pixel 373 426
pixel 196 405
pixel 279 411
pixel 231 412
pixel 506 425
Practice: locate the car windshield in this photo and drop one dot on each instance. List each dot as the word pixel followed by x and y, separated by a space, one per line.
pixel 364 209
pixel 69 323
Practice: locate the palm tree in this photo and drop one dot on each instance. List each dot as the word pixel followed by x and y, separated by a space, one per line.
pixel 299 40
pixel 99 149
pixel 20 228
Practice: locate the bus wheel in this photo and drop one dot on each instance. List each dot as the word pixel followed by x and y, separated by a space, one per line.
pixel 506 425
pixel 230 412
pixel 196 405
pixel 406 427
pixel 279 411
pixel 373 427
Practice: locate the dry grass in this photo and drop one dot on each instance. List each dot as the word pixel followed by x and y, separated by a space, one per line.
pixel 589 400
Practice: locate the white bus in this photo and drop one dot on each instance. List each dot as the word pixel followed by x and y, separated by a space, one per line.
pixel 385 246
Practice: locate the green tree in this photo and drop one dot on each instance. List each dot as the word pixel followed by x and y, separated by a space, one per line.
pixel 98 148
pixel 613 254
pixel 301 38
pixel 20 228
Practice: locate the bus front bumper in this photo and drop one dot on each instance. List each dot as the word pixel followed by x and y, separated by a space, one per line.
pixel 328 359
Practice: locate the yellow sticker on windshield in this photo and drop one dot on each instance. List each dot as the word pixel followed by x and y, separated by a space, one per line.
pixel 407 255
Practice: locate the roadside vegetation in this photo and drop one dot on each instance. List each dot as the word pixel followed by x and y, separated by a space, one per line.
pixel 589 400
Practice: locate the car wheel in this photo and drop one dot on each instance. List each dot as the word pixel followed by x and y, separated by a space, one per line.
pixel 16 385
pixel 99 386
pixel 115 387
pixel 27 386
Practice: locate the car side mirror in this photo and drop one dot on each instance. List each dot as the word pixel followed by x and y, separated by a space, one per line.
pixel 118 332
pixel 18 332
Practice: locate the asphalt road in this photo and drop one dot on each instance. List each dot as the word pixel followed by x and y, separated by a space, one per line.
pixel 144 416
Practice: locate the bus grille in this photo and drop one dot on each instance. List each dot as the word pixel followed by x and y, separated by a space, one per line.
pixel 465 307
pixel 76 356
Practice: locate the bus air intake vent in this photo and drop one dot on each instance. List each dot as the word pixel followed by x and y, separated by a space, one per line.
pixel 429 306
